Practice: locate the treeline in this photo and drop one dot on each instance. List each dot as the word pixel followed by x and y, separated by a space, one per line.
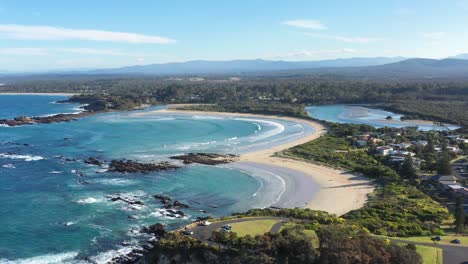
pixel 338 243
pixel 440 100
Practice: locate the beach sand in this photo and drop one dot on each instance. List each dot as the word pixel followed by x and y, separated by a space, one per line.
pixel 338 192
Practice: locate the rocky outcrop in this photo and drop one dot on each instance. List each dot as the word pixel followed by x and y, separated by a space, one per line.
pixel 93 161
pixel 168 204
pixel 130 166
pixel 24 120
pixel 206 158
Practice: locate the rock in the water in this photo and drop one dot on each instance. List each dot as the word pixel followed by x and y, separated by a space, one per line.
pixel 206 158
pixel 93 161
pixel 130 166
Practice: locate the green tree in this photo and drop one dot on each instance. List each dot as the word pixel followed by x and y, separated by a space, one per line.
pixel 407 169
pixel 443 166
pixel 459 215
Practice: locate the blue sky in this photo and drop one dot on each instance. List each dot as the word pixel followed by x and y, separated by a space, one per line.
pixel 51 34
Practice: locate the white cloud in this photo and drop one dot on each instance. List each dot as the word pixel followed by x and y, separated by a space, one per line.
pixel 309 24
pixel 434 35
pixel 61 51
pixel 93 51
pixel 359 40
pixel 55 33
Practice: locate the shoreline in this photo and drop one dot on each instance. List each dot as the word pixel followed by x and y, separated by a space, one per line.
pixel 339 192
pixel 43 94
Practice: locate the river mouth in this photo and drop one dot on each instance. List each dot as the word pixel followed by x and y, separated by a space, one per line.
pixel 361 114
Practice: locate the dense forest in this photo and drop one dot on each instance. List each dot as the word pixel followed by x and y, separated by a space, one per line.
pixel 435 100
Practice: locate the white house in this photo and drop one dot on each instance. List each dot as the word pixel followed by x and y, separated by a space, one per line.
pixel 384 150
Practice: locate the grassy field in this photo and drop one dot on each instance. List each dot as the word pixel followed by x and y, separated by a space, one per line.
pixel 256 227
pixel 445 239
pixel 430 255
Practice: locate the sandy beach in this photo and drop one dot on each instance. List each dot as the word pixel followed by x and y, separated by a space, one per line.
pixel 338 192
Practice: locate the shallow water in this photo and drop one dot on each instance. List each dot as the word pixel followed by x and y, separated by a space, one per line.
pixel 51 213
pixel 356 114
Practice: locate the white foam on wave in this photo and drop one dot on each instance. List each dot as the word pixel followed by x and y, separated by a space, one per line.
pixel 207 117
pixel 108 256
pixel 89 200
pixel 272 186
pixel 4 125
pixel 66 257
pixel 278 128
pixel 23 157
pixel 55 172
pixel 116 182
pixel 9 166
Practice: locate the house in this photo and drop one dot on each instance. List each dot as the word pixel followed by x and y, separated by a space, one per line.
pixel 445 181
pixel 396 160
pixel 462 140
pixel 384 150
pixel 458 190
pixel 401 153
pixel 360 143
pixel 453 149
pixel 421 143
pixel 401 146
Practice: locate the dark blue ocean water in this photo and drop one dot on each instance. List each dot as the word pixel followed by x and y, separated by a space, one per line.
pixel 54 206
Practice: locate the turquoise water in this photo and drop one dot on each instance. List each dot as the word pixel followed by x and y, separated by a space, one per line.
pixel 355 114
pixel 33 105
pixel 51 213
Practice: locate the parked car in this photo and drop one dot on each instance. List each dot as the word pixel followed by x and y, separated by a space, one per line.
pixel 437 238
pixel 224 230
pixel 228 227
pixel 456 241
pixel 187 232
pixel 205 223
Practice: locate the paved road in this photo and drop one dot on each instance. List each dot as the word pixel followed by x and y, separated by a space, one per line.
pixel 451 254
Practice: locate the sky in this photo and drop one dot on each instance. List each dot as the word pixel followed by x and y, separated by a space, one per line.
pixel 62 35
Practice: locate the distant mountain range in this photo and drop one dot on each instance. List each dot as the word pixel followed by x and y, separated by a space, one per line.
pixel 242 66
pixel 461 57
pixel 406 69
pixel 356 68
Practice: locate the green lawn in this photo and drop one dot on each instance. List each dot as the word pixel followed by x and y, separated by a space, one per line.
pixel 430 255
pixel 254 227
pixel 445 239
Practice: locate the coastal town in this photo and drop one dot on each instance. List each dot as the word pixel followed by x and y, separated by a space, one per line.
pixel 438 158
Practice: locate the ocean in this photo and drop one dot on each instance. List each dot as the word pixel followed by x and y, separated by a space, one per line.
pixel 56 209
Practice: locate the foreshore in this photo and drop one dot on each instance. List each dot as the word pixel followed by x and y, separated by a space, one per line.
pixel 45 94
pixel 338 192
